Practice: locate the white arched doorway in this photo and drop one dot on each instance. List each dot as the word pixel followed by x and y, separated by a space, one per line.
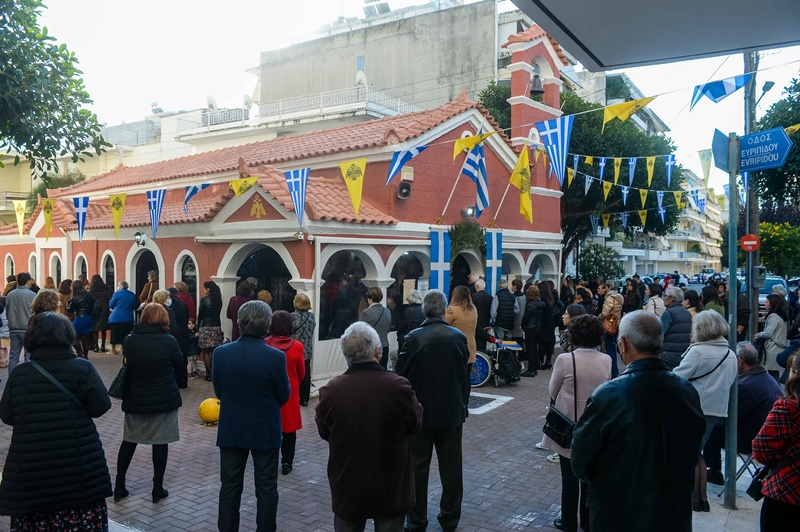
pixel 542 266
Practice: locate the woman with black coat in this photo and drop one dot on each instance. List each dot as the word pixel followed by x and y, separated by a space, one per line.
pixel 151 398
pixel 81 305
pixel 102 296
pixel 633 301
pixel 209 323
pixel 547 339
pixel 532 325
pixel 55 471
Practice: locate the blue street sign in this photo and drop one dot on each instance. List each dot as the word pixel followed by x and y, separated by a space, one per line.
pixel 762 150
pixel 719 148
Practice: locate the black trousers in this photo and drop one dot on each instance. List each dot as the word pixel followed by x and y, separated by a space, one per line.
pixel 447 442
pixel 778 516
pixel 712 451
pixel 385 357
pixel 232 464
pixel 532 348
pixel 288 444
pixel 573 499
pixel 305 384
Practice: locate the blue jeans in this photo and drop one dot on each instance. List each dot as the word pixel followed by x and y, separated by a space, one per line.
pixel 17 339
pixel 611 350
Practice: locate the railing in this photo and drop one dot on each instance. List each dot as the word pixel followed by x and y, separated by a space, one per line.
pixel 134 134
pixel 686 234
pixel 208 119
pixel 356 97
pixel 7 199
pixel 688 255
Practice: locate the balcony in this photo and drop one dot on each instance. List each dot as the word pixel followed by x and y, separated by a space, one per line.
pixel 686 235
pixel 7 200
pixel 206 120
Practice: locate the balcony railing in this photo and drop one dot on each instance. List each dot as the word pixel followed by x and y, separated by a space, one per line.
pixel 352 99
pixel 7 199
pixel 208 119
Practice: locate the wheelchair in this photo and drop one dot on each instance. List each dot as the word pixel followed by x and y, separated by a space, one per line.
pixel 499 362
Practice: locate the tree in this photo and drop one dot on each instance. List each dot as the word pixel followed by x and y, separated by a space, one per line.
pixel 42 96
pixel 599 261
pixel 780 248
pixel 495 99
pixel 56 181
pixel 782 185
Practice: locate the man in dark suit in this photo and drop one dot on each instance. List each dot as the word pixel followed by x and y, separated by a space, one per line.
pixel 434 360
pixel 367 416
pixel 251 383
pixel 483 304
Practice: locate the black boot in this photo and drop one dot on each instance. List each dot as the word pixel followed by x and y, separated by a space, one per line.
pixel 120 492
pixel 159 492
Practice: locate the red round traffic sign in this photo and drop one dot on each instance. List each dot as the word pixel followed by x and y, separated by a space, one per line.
pixel 750 243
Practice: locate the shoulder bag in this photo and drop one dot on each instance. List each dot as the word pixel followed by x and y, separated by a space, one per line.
pixel 557 426
pixel 57 384
pixel 611 322
pixel 754 490
pixel 117 388
pixel 706 374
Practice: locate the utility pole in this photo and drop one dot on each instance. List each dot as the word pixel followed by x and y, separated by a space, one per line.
pixel 752 206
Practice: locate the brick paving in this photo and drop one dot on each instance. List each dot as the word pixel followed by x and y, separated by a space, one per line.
pixel 508 484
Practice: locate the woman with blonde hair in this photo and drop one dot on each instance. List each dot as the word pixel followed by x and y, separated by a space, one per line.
pixel 463 315
pixel 303 324
pixel 49 284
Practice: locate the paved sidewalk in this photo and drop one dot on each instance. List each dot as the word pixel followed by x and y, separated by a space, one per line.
pixel 508 484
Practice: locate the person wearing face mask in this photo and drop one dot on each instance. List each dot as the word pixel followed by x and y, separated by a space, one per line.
pixel 653 419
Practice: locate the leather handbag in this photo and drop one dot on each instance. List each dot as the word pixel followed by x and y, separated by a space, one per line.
pixel 557 426
pixel 611 322
pixel 754 490
pixel 117 388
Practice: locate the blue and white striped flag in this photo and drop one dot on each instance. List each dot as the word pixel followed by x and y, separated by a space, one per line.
pixel 701 204
pixel 624 216
pixel 440 260
pixel 695 195
pixel 625 192
pixel 155 204
pixel 717 91
pixel 727 189
pixel 602 164
pixel 742 196
pixel 494 259
pixel 594 219
pixel 662 213
pixel 191 190
pixel 587 184
pixel 660 197
pixel 297 181
pixel 746 180
pixel 669 160
pixel 81 208
pixel 400 158
pixel 475 168
pixel 631 170
pixel 555 135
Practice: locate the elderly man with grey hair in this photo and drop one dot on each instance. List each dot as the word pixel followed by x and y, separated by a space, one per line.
pixel 367 415
pixel 435 361
pixel 758 391
pixel 636 443
pixel 251 383
pixel 676 321
pixel 504 311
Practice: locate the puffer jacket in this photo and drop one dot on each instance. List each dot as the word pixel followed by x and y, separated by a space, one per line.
pixel 532 319
pixel 55 460
pixel 82 305
pixel 154 361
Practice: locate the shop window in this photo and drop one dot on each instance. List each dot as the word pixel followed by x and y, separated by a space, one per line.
pixel 342 295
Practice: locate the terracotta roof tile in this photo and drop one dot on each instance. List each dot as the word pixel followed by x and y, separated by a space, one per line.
pixel 374 133
pixel 536 32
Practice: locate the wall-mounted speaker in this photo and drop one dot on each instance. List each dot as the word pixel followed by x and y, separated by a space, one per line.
pixel 404 190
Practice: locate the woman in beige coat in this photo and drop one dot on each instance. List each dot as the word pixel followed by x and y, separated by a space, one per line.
pixel 463 315
pixel 593 369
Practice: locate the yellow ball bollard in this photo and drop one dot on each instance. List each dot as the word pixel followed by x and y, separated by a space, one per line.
pixel 209 411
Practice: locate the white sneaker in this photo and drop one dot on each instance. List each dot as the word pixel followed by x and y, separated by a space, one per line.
pixel 542 447
pixel 554 458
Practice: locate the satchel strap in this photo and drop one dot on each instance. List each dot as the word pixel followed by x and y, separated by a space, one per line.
pixel 58 385
pixel 575 379
pixel 706 374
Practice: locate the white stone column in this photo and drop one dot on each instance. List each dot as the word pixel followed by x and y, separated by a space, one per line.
pixel 227 285
pixel 305 287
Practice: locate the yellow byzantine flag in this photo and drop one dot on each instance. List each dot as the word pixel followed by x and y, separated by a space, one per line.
pixel 624 110
pixel 606 190
pixel 521 178
pixel 468 143
pixel 791 130
pixel 651 165
pixel 678 195
pixel 589 160
pixel 617 165
pixel 353 174
pixel 643 217
pixel 47 208
pixel 117 202
pixel 705 162
pixel 240 186
pixel 19 210
pixel 570 176
pixel 606 218
pixel 643 196
pixel 721 200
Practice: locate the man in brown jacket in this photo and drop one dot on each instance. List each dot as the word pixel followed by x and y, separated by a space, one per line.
pixel 366 416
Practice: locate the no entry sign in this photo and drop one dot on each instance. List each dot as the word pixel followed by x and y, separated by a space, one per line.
pixel 750 243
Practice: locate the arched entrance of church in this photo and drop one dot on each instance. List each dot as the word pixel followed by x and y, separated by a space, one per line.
pixel 270 273
pixel 145 262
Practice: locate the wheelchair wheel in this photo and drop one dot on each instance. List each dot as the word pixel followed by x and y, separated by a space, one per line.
pixel 481 370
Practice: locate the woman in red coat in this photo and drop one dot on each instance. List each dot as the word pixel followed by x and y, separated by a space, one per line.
pixel 291 421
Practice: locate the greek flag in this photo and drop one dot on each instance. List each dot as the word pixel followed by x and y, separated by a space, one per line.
pixel 440 260
pixel 297 181
pixel 624 216
pixel 594 221
pixel 475 168
pixel 727 189
pixel 746 180
pixel 81 208
pixel 695 195
pixel 669 160
pixel 602 164
pixel 701 204
pixel 555 135
pixel 191 190
pixel 400 158
pixel 631 170
pixel 660 197
pixel 716 91
pixel 494 259
pixel 625 192
pixel 662 213
pixel 155 203
pixel 742 196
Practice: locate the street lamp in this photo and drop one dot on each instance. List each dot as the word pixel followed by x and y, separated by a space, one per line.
pixel 765 89
pixel 140 238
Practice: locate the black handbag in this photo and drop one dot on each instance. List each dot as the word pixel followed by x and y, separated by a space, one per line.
pixel 557 426
pixel 761 476
pixel 117 388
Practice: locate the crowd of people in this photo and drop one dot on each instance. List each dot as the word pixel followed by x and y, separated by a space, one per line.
pixel 663 408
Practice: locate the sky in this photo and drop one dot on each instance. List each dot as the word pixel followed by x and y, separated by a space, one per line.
pixel 179 52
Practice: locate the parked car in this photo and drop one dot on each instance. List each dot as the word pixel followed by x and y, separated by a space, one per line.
pixel 764 291
pixel 681 277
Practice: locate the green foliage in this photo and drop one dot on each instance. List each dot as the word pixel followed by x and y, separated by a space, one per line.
pixel 495 99
pixel 56 181
pixel 780 248
pixel 782 185
pixel 617 89
pixel 42 96
pixel 599 261
pixel 467 234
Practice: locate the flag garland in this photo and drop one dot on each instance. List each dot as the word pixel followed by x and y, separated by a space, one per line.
pixel 716 91
pixel 191 190
pixel 117 204
pixel 494 259
pixel 593 220
pixel 155 204
pixel 555 135
pixel 47 208
pixel 400 158
pixel 521 178
pixel 624 110
pixel 467 143
pixel 297 182
pixel 353 175
pixel 602 165
pixel 631 170
pixel 19 211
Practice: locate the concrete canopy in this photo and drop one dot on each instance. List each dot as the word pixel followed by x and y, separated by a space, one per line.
pixel 618 34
